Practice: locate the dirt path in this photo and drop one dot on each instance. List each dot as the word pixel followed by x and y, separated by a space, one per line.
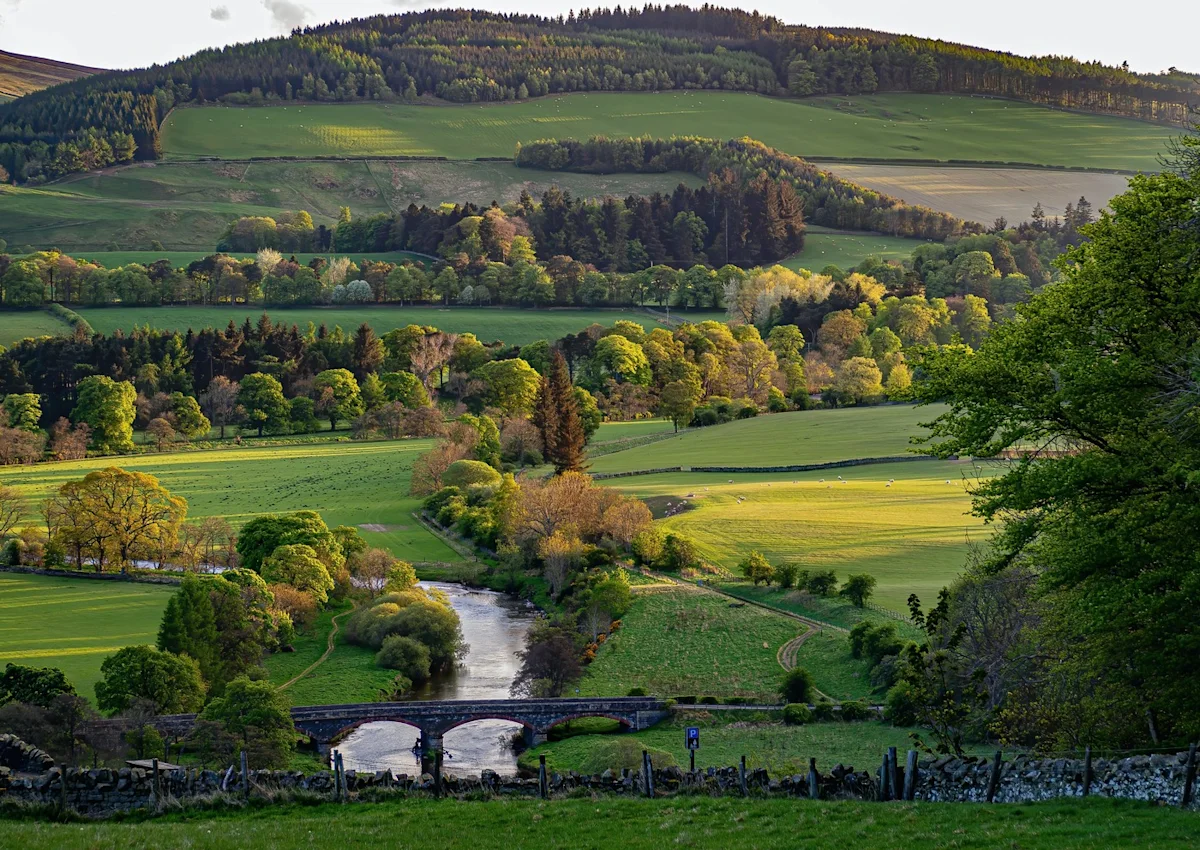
pixel 328 650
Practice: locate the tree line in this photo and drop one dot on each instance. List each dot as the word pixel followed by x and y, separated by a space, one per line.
pixel 470 56
pixel 739 223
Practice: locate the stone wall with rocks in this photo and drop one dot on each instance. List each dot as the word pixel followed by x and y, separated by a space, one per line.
pixel 102 791
pixel 18 756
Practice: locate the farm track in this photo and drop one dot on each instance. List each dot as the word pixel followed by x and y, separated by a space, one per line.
pixel 333 632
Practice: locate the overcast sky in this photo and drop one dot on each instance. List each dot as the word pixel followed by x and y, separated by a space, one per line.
pixel 1151 34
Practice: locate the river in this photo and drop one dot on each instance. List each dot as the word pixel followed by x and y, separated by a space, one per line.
pixel 494 627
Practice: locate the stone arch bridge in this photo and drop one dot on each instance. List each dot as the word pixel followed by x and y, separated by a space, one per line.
pixel 325 724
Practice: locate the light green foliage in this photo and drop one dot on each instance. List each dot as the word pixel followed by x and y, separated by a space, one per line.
pixel 757 568
pixel 463 473
pixel 406 388
pixel 261 396
pixel 107 406
pixel 512 385
pixel 298 565
pixel 622 359
pixel 189 420
pixel 338 396
pixel 23 410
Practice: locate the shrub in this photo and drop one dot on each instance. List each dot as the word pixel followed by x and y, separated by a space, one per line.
pixel 709 700
pixel 689 699
pixel 855 710
pixel 637 692
pixel 822 710
pixel 297 604
pixel 624 753
pixel 796 714
pixel 436 501
pixel 463 473
pixel 821 582
pixel 899 708
pixel 797 685
pixel 406 656
pixel 786 574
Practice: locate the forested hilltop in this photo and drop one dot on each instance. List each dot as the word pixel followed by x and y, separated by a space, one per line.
pixel 466 56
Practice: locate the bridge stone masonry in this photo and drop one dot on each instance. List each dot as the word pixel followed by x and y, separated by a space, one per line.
pixel 325 724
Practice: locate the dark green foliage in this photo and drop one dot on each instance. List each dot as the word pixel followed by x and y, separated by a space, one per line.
pixel 796 714
pixel 171 683
pixel 858 589
pixel 796 685
pixel 852 710
pixel 258 716
pixel 263 535
pixel 412 615
pixel 821 582
pixel 679 553
pixel 405 655
pixel 32 685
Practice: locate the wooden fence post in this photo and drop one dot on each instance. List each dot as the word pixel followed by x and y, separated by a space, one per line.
pixel 893 774
pixel 1189 776
pixel 1087 771
pixel 245 775
pixel 648 768
pixel 814 789
pixel 543 788
pixel 885 791
pixel 994 779
pixel 742 778
pixel 910 775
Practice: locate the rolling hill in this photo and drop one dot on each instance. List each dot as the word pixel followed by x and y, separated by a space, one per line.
pixel 20 75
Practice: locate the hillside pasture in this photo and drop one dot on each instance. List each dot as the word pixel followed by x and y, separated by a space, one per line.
pixel 784 439
pixel 513 326
pixel 884 126
pixel 347 483
pixel 846 249
pixel 907 524
pixel 16 325
pixel 187 206
pixel 20 75
pixel 74 624
pixel 984 194
pixel 685 640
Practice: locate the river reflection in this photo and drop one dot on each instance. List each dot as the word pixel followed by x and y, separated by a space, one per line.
pixel 494 627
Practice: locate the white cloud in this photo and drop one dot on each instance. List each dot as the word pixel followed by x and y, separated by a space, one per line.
pixel 287 14
pixel 219 13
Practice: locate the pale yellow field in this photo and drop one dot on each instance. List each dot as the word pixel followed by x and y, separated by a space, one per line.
pixel 984 194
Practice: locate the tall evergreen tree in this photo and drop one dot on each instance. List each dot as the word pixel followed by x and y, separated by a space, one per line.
pixel 545 418
pixel 570 438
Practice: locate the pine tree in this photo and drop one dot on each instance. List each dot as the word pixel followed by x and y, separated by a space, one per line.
pixel 197 628
pixel 569 436
pixel 545 418
pixel 170 631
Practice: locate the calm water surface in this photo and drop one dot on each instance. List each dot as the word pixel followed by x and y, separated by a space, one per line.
pixel 494 627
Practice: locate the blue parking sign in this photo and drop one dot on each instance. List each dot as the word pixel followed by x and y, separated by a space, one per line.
pixel 693 738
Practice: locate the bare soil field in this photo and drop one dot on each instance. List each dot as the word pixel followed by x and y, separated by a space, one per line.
pixel 984 194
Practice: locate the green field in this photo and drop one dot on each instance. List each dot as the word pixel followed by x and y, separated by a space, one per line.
pixel 349 674
pixel 846 249
pixel 19 324
pixel 889 126
pixel 690 641
pixel 513 326
pixel 348 483
pixel 637 824
pixel 74 624
pixel 180 259
pixel 784 439
pixel 187 206
pixel 913 536
pixel 727 736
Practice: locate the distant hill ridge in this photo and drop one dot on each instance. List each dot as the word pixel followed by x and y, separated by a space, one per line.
pixel 21 75
pixel 465 56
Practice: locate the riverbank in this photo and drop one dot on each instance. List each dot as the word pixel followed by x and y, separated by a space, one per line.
pixel 632 824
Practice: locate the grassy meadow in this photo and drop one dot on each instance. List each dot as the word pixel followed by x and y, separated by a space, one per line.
pixel 348 675
pixel 685 640
pixel 347 483
pixel 637 824
pixel 187 206
pixel 726 737
pixel 913 536
pixel 74 624
pixel 812 436
pixel 512 325
pixel 885 126
pixel 18 324
pixel 846 249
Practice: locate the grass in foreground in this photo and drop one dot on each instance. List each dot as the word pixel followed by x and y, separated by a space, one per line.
pixel 513 326
pixel 74 624
pixel 638 824
pixel 347 483
pixel 887 126
pixel 913 536
pixel 784 439
pixel 690 641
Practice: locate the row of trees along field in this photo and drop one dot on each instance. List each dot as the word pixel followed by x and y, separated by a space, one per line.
pixel 278 573
pixel 469 56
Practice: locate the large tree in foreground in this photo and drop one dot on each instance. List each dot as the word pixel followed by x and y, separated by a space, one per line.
pixel 1100 376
